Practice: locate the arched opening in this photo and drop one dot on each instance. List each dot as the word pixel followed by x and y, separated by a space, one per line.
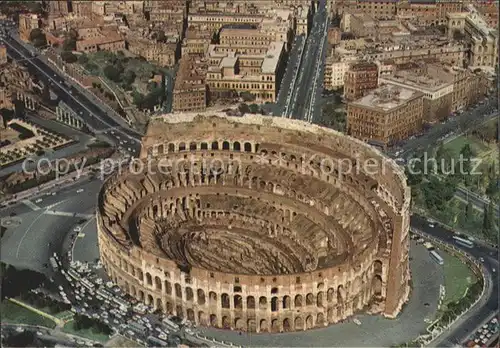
pixel 355 303
pixel 286 325
pixel 309 322
pixel 298 301
pixel 189 294
pixel 192 146
pixel 141 296
pixel 248 147
pixel 204 146
pixel 262 302
pixel 275 327
pixel 239 324
pixel 168 287
pixel 149 279
pixel 178 291
pixel 251 325
pixel 161 149
pixel 159 304
pixel 377 267
pixel 225 145
pixel 190 314
pixel 182 147
pixel 236 146
pixel 179 312
pixel 274 304
pixel 263 325
pixel 330 315
pixel 226 324
pixel 320 286
pixel 201 297
pixel 170 308
pixel 286 302
pixel 238 302
pixel 309 299
pixel 377 285
pixel 299 324
pixel 171 147
pixel 225 301
pixel 213 320
pixel 320 319
pixel 150 301
pixel 158 283
pixel 319 299
pixel 329 295
pixel 215 145
pixel 250 302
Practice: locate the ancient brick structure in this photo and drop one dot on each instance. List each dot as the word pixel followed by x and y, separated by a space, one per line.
pixel 253 223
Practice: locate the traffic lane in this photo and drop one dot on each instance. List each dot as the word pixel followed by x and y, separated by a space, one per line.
pixel 61 194
pixel 31 244
pixel 40 64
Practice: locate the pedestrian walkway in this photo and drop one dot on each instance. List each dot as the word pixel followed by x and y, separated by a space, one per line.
pixel 31 205
pixel 58 321
pixel 65 213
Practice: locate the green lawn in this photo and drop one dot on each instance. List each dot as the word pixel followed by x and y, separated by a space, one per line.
pixel 457 277
pixel 14 314
pixel 87 333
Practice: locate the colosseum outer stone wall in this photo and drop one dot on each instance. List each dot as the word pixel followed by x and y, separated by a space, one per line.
pixel 257 223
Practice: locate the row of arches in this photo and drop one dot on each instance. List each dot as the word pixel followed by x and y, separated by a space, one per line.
pixel 214 145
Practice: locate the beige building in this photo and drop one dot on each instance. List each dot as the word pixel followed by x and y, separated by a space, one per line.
pixel 196 41
pixel 95 39
pixel 483 40
pixel 27 22
pixel 386 115
pixel 253 69
pixel 335 70
pixel 163 54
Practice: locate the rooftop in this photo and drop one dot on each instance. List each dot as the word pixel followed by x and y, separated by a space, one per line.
pixel 387 97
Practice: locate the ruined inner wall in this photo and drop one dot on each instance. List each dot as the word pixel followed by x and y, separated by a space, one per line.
pixel 257 223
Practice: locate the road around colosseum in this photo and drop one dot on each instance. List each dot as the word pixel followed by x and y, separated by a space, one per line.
pixel 375 331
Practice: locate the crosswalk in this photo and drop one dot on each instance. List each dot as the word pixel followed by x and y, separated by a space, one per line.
pixel 31 205
pixel 65 213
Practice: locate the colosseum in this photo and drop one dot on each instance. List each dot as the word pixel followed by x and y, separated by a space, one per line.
pixel 257 223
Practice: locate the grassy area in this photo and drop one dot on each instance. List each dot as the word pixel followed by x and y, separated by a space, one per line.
pixel 14 314
pixel 457 277
pixel 87 333
pixel 66 315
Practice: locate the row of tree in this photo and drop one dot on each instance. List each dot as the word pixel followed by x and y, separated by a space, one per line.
pixel 41 301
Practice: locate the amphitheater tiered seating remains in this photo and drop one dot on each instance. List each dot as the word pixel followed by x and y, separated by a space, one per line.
pixel 257 223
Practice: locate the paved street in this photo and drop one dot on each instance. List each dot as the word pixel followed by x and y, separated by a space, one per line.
pixel 44 225
pixel 484 308
pixel 307 86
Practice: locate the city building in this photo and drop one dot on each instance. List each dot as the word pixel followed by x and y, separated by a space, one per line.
pixel 190 91
pixel 482 39
pixel 335 70
pixel 257 247
pixel 160 53
pixel 27 22
pixel 95 39
pixel 58 7
pixel 3 54
pixel 256 70
pixel 386 115
pixel 360 79
pixel 196 41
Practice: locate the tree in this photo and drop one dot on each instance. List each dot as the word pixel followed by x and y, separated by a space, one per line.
pixel 68 57
pixel 243 108
pixel 469 211
pixel 254 108
pixel 69 45
pixel 83 59
pixel 489 221
pixel 112 73
pixel 129 77
pixel 37 38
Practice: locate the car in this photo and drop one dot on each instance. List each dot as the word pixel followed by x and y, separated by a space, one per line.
pixel 38 200
pixel 481 259
pixel 38 333
pixel 79 190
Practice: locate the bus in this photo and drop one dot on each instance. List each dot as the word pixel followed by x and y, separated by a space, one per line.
pixel 464 242
pixel 436 257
